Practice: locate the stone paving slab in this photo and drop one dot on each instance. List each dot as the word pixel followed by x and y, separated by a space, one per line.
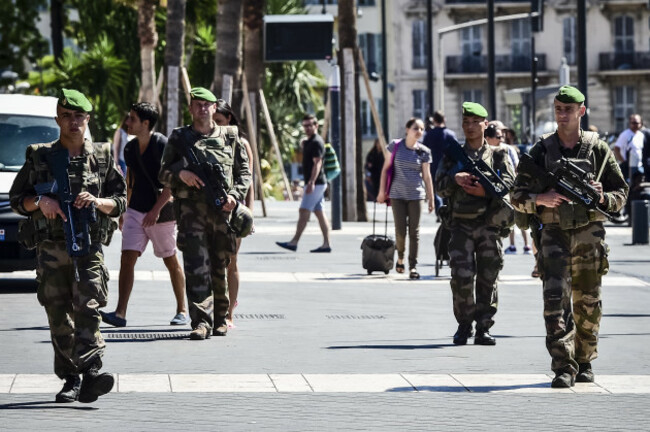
pixel 336 383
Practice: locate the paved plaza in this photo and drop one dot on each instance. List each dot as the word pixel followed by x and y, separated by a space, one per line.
pixel 320 345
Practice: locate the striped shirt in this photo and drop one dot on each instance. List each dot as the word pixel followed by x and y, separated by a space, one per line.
pixel 407 181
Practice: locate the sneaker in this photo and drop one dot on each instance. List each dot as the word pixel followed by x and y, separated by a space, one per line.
pixel 180 319
pixel 70 390
pixel 563 380
pixel 527 250
pixel 95 384
pixel 201 332
pixel 585 373
pixel 511 250
pixel 112 319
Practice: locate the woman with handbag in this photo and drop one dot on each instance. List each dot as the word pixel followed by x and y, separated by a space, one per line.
pixel 405 182
pixel 224 116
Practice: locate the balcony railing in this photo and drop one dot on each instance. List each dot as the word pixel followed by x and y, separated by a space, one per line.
pixel 624 61
pixel 502 63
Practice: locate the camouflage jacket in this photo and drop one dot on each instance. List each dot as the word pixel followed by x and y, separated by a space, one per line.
pixel 524 193
pixel 93 171
pixel 222 146
pixel 464 205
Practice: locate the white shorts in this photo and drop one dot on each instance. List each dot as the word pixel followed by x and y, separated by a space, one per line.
pixel 135 237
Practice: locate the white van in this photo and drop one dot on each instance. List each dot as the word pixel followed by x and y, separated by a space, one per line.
pixel 24 120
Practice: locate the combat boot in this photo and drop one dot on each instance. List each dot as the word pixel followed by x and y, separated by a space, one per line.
pixel 201 332
pixel 563 380
pixel 462 334
pixel 221 329
pixel 585 373
pixel 70 390
pixel 483 337
pixel 95 384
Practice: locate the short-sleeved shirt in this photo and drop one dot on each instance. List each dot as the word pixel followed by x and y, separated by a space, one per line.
pixel 631 145
pixel 313 147
pixel 437 140
pixel 407 183
pixel 143 195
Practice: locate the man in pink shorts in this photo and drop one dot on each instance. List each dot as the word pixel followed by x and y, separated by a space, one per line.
pixel 149 216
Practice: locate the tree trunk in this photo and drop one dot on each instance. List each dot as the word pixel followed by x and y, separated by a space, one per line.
pixel 229 46
pixel 148 41
pixel 348 43
pixel 175 35
pixel 56 23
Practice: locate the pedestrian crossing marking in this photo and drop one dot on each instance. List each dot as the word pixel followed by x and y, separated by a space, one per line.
pixel 335 383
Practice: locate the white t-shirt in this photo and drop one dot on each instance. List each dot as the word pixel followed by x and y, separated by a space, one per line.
pixel 631 142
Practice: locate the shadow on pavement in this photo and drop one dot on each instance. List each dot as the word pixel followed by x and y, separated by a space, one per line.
pixel 44 405
pixel 18 286
pixel 485 389
pixel 390 347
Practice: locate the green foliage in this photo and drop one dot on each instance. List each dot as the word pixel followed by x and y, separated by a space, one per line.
pixel 19 37
pixel 201 64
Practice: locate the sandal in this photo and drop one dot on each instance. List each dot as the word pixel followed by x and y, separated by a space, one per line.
pixel 399 268
pixel 413 274
pixel 535 273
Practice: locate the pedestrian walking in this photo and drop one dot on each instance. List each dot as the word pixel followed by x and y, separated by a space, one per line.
pixel 72 275
pixel 207 169
pixel 475 248
pixel 313 151
pixel 437 139
pixel 628 148
pixel 572 254
pixel 410 184
pixel 120 139
pixel 374 164
pixel 224 116
pixel 149 215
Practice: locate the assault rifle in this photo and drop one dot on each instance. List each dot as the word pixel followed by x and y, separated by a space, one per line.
pixel 212 176
pixel 77 228
pixel 491 181
pixel 568 178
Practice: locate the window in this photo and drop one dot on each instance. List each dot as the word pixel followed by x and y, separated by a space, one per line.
pixel 624 105
pixel 365 2
pixel 368 129
pixel 418 44
pixel 370 45
pixel 473 95
pixel 623 34
pixel 471 48
pixel 520 39
pixel 420 103
pixel 570 38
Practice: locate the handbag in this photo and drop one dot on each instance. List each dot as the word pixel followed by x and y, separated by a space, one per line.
pixel 389 171
pixel 167 212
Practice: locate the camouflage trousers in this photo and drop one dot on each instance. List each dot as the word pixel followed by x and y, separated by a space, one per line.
pixel 474 252
pixel 572 263
pixel 207 246
pixel 72 307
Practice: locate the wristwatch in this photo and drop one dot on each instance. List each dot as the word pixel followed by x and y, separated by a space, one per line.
pixel 37 201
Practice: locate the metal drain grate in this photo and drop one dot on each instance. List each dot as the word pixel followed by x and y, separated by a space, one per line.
pixel 355 317
pixel 259 316
pixel 146 336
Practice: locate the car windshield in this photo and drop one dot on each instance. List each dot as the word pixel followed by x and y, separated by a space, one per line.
pixel 19 131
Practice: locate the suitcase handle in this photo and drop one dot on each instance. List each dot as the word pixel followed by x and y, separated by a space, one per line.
pixel 374 210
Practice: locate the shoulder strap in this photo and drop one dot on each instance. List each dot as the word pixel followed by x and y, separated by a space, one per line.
pixel 589 140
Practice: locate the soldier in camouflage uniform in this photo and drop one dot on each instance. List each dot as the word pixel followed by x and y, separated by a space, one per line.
pixel 475 248
pixel 72 289
pixel 572 254
pixel 204 237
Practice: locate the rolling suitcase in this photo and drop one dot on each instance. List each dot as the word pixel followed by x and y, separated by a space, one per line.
pixel 441 246
pixel 378 251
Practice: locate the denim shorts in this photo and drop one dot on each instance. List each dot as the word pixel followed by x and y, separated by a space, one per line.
pixel 314 200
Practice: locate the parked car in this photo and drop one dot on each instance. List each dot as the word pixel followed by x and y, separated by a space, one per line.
pixel 24 120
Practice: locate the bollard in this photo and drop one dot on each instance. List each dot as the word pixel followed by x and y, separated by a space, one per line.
pixel 640 221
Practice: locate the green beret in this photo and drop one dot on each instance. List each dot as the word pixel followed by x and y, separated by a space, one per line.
pixel 202 93
pixel 74 100
pixel 568 94
pixel 474 109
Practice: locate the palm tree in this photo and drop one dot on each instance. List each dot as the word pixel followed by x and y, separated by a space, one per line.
pixel 148 40
pixel 253 55
pixel 175 36
pixel 228 59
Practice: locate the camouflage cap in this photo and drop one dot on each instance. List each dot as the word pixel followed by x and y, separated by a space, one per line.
pixel 202 93
pixel 74 100
pixel 474 109
pixel 241 220
pixel 569 94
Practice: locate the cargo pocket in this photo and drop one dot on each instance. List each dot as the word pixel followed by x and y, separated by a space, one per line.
pixel 603 269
